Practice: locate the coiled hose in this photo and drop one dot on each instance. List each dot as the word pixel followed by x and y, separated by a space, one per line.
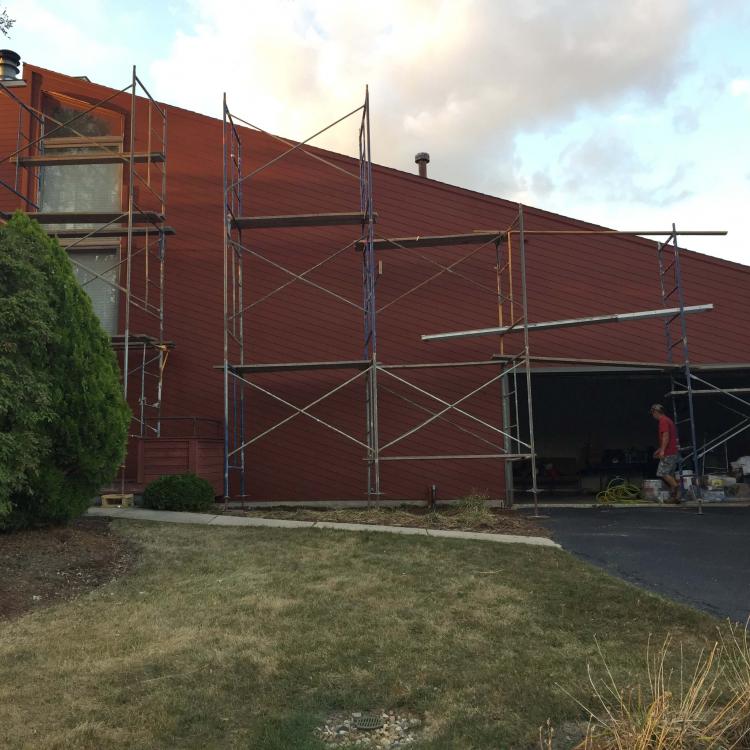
pixel 619 491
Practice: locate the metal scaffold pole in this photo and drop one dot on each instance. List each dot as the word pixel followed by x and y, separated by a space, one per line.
pixel 225 237
pixel 671 285
pixel 527 361
pixel 129 241
pixel 369 276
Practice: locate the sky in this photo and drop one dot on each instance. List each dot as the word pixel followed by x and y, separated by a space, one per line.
pixel 633 114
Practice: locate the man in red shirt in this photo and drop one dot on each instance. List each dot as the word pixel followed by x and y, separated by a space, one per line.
pixel 667 452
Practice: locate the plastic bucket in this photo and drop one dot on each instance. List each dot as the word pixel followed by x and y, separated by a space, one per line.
pixel 651 488
pixel 688 479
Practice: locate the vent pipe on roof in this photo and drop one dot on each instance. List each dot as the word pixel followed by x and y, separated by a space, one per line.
pixel 9 65
pixel 423 159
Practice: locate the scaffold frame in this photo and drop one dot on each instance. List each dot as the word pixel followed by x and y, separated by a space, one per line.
pixel 237 371
pixel 683 379
pixel 512 318
pixel 138 233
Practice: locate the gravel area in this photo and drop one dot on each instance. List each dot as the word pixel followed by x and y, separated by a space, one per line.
pixel 393 729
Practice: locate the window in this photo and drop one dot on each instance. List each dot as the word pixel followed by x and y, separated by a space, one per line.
pixel 81 187
pixel 85 187
pixel 96 271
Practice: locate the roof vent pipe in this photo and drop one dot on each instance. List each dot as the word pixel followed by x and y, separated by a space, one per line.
pixel 9 65
pixel 423 159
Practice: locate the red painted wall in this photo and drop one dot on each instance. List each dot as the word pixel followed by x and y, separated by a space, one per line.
pixel 568 277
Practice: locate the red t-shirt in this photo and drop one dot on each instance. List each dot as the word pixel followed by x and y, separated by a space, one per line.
pixel 667 425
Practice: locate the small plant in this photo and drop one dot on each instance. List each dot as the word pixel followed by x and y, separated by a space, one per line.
pixel 546 736
pixel 474 509
pixel 184 492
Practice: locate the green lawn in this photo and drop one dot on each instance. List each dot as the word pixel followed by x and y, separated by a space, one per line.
pixel 247 638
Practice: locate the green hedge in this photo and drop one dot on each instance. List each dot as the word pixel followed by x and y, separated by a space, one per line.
pixel 186 492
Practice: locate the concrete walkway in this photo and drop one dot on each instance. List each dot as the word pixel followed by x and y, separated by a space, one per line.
pixel 206 519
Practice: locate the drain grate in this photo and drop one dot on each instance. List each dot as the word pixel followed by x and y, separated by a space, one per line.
pixel 368 721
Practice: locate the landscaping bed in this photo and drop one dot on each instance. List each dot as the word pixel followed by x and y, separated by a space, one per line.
pixel 43 566
pixel 461 517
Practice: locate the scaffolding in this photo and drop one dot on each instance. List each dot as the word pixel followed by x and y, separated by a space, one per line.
pixel 677 365
pixel 510 369
pixel 379 377
pixel 238 371
pixel 685 384
pixel 512 440
pixel 133 230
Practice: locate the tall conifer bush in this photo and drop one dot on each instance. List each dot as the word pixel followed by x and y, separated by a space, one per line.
pixel 63 418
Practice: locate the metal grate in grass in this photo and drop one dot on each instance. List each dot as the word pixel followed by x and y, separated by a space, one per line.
pixel 368 721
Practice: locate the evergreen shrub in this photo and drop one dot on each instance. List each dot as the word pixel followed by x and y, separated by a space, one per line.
pixel 186 492
pixel 63 417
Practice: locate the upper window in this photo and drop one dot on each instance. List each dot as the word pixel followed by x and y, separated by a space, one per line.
pixel 81 187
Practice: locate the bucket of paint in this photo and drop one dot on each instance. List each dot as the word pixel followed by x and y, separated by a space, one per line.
pixel 651 488
pixel 688 479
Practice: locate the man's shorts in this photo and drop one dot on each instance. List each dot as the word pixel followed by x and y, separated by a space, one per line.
pixel 667 466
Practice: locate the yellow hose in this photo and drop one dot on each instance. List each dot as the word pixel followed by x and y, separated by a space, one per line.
pixel 619 491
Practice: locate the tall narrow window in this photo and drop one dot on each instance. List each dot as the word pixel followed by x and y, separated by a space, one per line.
pixel 76 188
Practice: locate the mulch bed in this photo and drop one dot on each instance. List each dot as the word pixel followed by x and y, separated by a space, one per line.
pixel 493 520
pixel 44 566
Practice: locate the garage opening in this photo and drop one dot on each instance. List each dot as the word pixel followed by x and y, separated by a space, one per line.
pixel 593 425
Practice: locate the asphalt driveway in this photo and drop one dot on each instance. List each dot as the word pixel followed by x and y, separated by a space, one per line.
pixel 703 560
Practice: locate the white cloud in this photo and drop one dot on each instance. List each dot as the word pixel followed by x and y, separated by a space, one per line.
pixel 458 78
pixel 461 79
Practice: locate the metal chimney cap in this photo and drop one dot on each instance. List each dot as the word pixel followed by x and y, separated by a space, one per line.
pixel 422 156
pixel 9 64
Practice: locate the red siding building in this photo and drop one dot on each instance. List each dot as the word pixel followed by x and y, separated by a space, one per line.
pixel 583 413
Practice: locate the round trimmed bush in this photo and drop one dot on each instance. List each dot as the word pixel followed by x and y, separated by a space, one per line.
pixel 186 492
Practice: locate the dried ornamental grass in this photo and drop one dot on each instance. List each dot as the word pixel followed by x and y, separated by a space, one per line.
pixel 707 709
pixel 736 646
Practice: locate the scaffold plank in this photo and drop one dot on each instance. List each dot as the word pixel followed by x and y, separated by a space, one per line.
pixel 109 232
pixel 356 364
pixel 102 157
pixel 458 457
pixel 593 362
pixel 90 217
pixel 140 340
pixel 402 243
pixel 628 363
pixel 299 220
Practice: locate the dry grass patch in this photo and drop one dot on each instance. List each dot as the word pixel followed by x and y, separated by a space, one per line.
pixel 250 637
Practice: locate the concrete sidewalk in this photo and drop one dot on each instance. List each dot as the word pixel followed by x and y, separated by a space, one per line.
pixel 206 519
